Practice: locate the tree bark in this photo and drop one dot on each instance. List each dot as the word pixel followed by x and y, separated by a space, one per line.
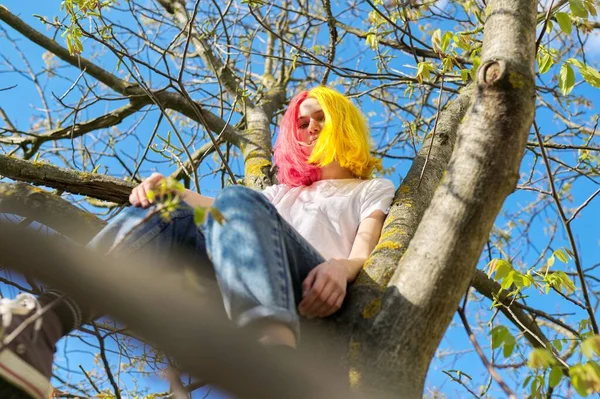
pixel 399 333
pixel 50 210
pixel 94 185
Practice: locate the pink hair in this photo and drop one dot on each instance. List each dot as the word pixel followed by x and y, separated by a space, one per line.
pixel 289 156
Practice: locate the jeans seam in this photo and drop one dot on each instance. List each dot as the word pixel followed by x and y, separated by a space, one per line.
pixel 282 261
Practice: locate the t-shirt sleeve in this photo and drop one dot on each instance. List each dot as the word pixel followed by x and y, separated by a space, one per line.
pixel 378 195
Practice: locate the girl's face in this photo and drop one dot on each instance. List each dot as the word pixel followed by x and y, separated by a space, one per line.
pixel 311 119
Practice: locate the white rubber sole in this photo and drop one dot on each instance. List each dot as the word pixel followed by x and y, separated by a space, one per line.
pixel 20 374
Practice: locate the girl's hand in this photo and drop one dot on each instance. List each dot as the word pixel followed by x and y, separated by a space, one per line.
pixel 324 289
pixel 139 194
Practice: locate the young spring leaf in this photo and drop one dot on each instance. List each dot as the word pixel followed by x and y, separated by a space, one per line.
pixel 555 376
pixel 545 63
pixel 591 346
pixel 540 358
pixel 578 9
pixel 561 255
pixel 590 75
pixel 566 79
pixel 564 21
pixel 498 335
pixel 199 215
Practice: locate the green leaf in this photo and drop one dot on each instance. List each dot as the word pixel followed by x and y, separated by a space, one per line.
pixel 550 261
pixel 540 358
pixel 567 283
pixel 590 346
pixel 590 75
pixel 199 215
pixel 578 9
pixel 534 387
pixel 591 8
pixel 561 255
pixel 446 40
pixel 151 195
pixel 564 21
pixel 498 335
pixel 555 376
pixel 464 74
pixel 500 267
pixel 580 378
pixel 509 345
pixel 436 40
pixel 557 343
pixel 372 40
pixel 508 280
pixel 545 63
pixel 566 79
pixel 424 71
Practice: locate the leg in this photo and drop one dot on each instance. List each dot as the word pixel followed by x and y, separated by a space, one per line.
pixel 26 362
pixel 260 261
pixel 134 229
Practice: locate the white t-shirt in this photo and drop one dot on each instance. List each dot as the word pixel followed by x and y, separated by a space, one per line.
pixel 327 213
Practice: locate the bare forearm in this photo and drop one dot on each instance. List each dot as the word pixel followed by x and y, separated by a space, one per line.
pixel 353 267
pixel 196 200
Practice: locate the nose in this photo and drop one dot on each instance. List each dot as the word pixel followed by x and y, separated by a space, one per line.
pixel 314 126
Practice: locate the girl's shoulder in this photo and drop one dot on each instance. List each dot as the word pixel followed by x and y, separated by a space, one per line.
pixel 275 190
pixel 378 184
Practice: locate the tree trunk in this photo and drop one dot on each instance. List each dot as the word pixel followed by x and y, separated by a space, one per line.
pixel 395 339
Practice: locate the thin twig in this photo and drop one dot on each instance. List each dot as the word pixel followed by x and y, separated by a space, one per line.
pixel 509 393
pixel 437 118
pixel 539 40
pixel 567 226
pixel 333 36
pixel 583 206
pixel 87 376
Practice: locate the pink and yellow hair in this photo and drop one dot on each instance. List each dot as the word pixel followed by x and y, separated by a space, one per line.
pixel 344 138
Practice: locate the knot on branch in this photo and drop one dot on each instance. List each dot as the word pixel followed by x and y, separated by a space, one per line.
pixel 499 74
pixel 491 72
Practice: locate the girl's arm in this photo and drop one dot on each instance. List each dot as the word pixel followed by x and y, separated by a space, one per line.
pixel 196 200
pixel 366 239
pixel 324 288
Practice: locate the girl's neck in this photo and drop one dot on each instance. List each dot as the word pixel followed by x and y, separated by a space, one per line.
pixel 335 171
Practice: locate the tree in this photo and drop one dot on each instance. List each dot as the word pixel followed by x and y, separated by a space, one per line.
pixel 216 77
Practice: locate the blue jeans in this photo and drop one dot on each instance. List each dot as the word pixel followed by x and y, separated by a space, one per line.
pixel 259 260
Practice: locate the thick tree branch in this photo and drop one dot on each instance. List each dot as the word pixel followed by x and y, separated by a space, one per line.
pixel 50 210
pixel 93 185
pixel 183 321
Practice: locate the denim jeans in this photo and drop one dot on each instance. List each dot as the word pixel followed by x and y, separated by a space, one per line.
pixel 259 260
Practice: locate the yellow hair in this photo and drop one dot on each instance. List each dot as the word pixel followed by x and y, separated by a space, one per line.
pixel 345 135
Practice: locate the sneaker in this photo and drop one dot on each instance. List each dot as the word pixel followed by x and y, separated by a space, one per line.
pixel 26 351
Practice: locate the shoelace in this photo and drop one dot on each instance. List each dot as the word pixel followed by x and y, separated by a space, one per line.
pixel 22 305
